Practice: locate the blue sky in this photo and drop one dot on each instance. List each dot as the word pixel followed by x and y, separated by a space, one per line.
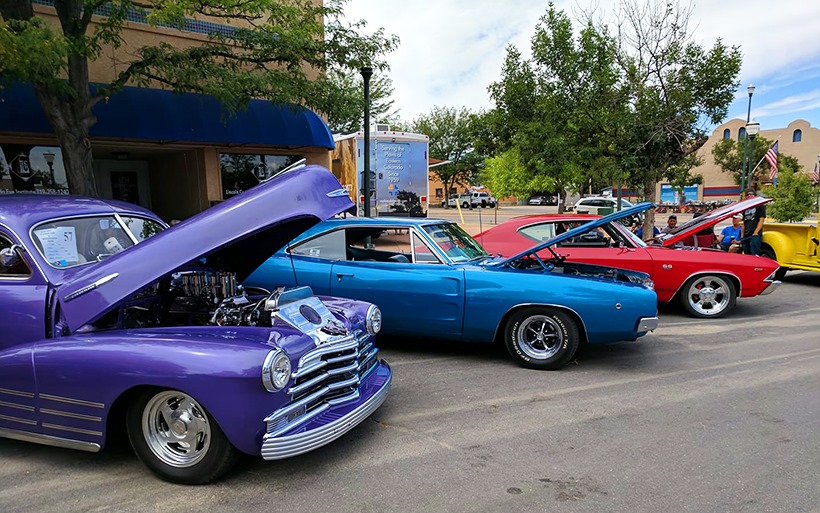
pixel 451 50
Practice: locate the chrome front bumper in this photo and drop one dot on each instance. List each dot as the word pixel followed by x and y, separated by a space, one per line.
pixel 771 288
pixel 647 324
pixel 281 447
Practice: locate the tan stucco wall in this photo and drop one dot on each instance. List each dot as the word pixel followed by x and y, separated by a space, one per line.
pixel 806 152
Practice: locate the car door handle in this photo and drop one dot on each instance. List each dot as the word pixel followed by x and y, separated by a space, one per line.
pixel 339 276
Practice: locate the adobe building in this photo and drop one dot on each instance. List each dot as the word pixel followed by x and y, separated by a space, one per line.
pixel 174 153
pixel 799 140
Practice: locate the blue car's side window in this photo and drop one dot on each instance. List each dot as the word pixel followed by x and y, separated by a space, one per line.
pixel 330 246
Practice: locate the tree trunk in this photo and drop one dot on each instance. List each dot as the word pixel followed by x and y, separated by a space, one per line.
pixel 71 119
pixel 649 216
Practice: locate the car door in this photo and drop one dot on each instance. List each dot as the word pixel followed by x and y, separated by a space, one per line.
pixel 23 292
pixel 420 296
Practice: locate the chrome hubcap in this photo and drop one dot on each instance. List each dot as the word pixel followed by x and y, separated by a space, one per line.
pixel 540 337
pixel 709 295
pixel 176 429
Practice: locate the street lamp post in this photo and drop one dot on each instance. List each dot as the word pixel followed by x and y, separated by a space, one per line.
pixel 50 161
pixel 752 129
pixel 366 74
pixel 751 91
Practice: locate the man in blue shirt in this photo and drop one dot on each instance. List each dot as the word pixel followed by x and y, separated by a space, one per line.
pixel 729 238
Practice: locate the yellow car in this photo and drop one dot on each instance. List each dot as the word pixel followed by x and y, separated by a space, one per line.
pixel 793 245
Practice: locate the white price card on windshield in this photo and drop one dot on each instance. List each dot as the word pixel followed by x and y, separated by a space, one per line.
pixel 59 245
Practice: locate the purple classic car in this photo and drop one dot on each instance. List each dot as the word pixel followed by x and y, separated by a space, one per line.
pixel 99 334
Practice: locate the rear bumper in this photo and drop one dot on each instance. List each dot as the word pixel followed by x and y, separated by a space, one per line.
pixel 647 324
pixel 329 425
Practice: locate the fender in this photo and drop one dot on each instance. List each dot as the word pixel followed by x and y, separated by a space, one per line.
pixel 222 372
pixel 782 245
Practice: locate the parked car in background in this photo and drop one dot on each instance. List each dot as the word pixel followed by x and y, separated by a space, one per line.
pixel 472 199
pixel 109 322
pixel 599 205
pixel 482 199
pixel 792 245
pixel 705 282
pixel 462 200
pixel 543 200
pixel 431 279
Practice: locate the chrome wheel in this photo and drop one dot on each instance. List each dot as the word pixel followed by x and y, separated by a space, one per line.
pixel 709 296
pixel 176 429
pixel 541 337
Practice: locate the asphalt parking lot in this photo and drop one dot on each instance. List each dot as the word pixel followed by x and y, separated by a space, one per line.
pixel 699 416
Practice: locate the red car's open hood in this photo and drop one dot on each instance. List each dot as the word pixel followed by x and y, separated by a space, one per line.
pixel 709 219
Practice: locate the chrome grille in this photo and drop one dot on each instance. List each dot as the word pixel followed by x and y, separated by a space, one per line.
pixel 326 376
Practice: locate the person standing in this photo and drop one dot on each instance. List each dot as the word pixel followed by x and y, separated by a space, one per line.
pixel 753 225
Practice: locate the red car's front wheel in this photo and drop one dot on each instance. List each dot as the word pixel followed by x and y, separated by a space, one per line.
pixel 708 296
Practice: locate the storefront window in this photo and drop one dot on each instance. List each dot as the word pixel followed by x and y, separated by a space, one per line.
pixel 32 169
pixel 241 171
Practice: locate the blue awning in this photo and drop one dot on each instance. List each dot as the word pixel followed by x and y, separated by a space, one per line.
pixel 156 115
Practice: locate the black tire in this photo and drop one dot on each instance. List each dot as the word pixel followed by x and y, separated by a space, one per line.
pixel 177 439
pixel 541 338
pixel 492 205
pixel 781 271
pixel 483 203
pixel 466 205
pixel 708 296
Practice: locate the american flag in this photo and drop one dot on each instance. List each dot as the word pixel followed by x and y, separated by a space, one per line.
pixel 814 176
pixel 771 158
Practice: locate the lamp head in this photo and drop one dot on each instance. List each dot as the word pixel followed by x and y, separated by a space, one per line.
pixel 751 89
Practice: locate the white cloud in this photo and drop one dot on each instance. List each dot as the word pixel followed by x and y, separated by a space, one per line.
pixel 451 50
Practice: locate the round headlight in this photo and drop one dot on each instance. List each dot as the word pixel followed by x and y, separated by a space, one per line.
pixel 276 370
pixel 374 320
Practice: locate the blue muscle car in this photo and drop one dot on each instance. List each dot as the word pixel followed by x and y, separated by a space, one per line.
pixel 430 278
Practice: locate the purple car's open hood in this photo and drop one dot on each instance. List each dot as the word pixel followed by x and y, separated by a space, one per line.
pixel 237 234
pixel 709 219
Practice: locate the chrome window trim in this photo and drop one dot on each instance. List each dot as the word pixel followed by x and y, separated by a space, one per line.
pixel 12 235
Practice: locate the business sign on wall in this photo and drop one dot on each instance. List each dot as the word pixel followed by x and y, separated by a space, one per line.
pixel 670 194
pixel 32 169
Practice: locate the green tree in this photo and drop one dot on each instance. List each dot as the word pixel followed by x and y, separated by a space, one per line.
pixel 677 91
pixel 632 106
pixel 793 196
pixel 728 154
pixel 506 175
pixel 280 51
pixel 450 140
pixel 348 116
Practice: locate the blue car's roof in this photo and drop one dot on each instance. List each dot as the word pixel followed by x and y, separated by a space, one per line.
pixel 400 222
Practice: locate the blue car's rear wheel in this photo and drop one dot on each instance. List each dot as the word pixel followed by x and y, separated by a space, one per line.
pixel 541 338
pixel 177 438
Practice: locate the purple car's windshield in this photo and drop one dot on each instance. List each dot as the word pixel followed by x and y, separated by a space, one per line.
pixel 455 242
pixel 73 241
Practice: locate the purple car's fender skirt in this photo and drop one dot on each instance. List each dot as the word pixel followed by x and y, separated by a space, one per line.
pixel 333 422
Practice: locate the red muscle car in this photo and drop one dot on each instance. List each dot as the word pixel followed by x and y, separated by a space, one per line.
pixel 705 281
